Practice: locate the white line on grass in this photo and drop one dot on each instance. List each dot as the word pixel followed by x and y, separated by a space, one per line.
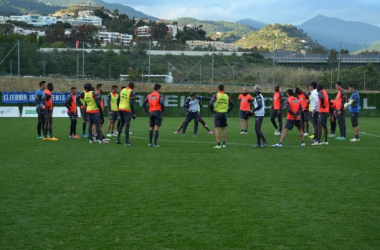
pixel 363 133
pixel 247 145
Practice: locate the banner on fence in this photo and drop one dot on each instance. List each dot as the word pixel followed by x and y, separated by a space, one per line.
pixel 62 112
pixel 9 111
pixel 29 112
pixel 29 97
pixel 57 112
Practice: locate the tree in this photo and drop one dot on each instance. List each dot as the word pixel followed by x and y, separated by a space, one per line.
pixel 333 58
pixel 5 28
pixel 85 33
pixel 55 34
pixel 158 31
pixel 134 75
pixel 140 23
pixel 100 13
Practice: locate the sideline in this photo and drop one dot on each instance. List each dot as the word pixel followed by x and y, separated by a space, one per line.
pixel 248 145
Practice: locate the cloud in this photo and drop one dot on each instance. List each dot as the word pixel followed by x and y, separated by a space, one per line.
pixel 268 11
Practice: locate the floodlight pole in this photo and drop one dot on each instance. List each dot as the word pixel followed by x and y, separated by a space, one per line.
pixel 77 66
pixel 213 62
pixel 149 63
pixel 233 75
pixel 83 62
pixel 18 57
pixel 142 73
pixel 18 62
pixel 340 54
pixel 274 57
pixel 200 73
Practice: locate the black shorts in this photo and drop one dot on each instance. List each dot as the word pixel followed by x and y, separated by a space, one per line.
pixel 125 116
pixel 305 116
pixel 220 120
pixel 291 123
pixel 322 119
pixel 48 112
pixel 244 115
pixel 113 116
pixel 84 114
pixel 354 119
pixel 155 119
pixel 93 118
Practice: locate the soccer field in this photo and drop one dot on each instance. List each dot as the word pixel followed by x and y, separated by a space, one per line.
pixel 70 194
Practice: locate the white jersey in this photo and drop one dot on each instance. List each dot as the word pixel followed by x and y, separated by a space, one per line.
pixel 314 100
pixel 259 99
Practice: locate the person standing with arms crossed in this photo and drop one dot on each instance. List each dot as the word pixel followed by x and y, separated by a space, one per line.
pixel 277 106
pixel 354 106
pixel 48 110
pixel 83 112
pixel 156 104
pixel 324 109
pixel 40 110
pixel 71 105
pixel 113 111
pixel 314 109
pixel 259 111
pixel 245 103
pixel 221 104
pixel 340 100
pixel 126 103
pixel 303 97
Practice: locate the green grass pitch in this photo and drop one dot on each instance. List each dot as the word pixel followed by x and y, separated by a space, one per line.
pixel 71 194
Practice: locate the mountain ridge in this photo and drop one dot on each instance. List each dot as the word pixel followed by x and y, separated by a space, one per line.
pixel 330 31
pixel 123 9
pixel 252 23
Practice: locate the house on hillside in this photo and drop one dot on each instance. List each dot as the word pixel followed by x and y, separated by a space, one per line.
pixel 35 19
pixel 143 31
pixel 117 38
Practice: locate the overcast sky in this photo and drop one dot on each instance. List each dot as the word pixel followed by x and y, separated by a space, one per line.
pixel 268 11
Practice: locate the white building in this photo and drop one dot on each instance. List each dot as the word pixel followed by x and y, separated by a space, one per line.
pixel 35 19
pixel 3 19
pixel 173 30
pixel 85 13
pixel 94 20
pixel 114 37
pixel 143 31
pixel 26 32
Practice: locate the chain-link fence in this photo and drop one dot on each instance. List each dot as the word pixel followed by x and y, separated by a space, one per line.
pixel 289 69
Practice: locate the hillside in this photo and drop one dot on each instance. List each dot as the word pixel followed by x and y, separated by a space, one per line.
pixel 111 6
pixel 18 7
pixel 287 37
pixel 225 31
pixel 331 31
pixel 252 23
pixel 373 48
